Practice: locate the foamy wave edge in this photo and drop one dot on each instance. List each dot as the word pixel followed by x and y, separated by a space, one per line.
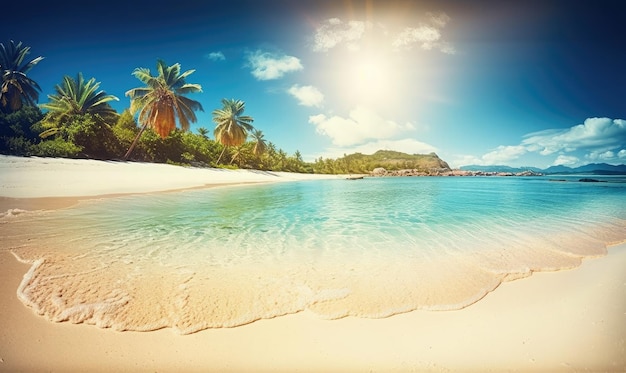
pixel 96 313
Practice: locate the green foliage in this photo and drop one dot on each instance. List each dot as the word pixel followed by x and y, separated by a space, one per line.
pixel 17 132
pixel 16 88
pixel 78 97
pixel 16 146
pixel 125 129
pixel 93 137
pixel 231 126
pixel 163 100
pixel 57 147
pixel 19 123
pixel 390 160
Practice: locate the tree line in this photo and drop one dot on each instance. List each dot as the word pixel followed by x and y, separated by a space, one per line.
pixel 79 121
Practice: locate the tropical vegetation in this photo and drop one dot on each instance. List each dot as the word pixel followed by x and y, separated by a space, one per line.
pixel 17 89
pixel 231 126
pixel 78 121
pixel 163 100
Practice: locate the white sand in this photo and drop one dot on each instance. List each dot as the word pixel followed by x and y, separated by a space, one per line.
pixel 566 321
pixel 35 177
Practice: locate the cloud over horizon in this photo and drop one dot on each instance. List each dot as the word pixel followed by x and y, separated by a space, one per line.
pixel 593 134
pixel 362 124
pixel 269 66
pixel 596 139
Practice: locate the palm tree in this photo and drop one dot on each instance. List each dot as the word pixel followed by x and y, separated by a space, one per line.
pixel 259 143
pixel 232 126
pixel 238 155
pixel 203 132
pixel 17 88
pixel 77 97
pixel 162 101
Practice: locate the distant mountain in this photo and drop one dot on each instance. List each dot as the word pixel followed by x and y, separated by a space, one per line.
pixel 590 169
pixel 500 168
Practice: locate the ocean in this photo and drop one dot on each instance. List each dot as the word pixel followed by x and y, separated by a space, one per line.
pixel 376 247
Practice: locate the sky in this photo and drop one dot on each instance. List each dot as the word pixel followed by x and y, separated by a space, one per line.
pixel 518 83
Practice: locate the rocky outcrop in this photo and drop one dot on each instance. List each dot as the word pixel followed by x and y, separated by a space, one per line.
pixel 447 172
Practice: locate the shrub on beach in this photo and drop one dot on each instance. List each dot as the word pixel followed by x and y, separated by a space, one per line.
pixel 57 147
pixel 17 134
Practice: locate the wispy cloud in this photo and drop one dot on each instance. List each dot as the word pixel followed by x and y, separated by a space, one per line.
pixel 438 19
pixel 361 125
pixel 307 95
pixel 334 32
pixel 268 66
pixel 504 154
pixel 427 35
pixel 216 56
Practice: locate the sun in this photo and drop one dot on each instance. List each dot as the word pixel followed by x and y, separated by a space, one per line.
pixel 369 77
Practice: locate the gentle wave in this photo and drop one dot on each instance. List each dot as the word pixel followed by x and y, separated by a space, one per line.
pixel 223 258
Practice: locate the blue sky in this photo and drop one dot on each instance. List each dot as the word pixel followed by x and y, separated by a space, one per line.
pixel 522 83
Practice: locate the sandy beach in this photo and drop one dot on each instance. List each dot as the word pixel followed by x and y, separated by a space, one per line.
pixel 572 320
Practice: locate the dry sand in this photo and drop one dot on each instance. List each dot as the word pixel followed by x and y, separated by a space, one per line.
pixel 571 320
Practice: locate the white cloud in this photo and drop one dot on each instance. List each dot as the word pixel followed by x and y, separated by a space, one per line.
pixel 594 133
pixel 427 36
pixel 362 124
pixel 307 95
pixel 334 32
pixel 268 66
pixel 565 160
pixel 599 138
pixel 595 156
pixel 216 56
pixel 503 155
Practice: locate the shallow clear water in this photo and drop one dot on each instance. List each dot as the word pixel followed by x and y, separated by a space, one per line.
pixel 373 247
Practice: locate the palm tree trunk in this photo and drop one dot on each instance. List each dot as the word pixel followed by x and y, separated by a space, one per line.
pixel 220 157
pixel 132 146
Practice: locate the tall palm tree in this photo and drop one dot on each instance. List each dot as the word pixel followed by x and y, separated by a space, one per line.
pixel 162 101
pixel 259 143
pixel 231 126
pixel 76 97
pixel 17 88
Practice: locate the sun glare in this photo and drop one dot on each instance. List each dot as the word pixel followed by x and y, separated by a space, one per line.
pixel 368 77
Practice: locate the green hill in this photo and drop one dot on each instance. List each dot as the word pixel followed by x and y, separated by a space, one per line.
pixel 387 159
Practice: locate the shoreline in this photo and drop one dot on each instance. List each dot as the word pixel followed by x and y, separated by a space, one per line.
pixel 34 183
pixel 551 321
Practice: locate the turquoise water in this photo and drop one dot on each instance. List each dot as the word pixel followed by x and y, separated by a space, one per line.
pixel 371 248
